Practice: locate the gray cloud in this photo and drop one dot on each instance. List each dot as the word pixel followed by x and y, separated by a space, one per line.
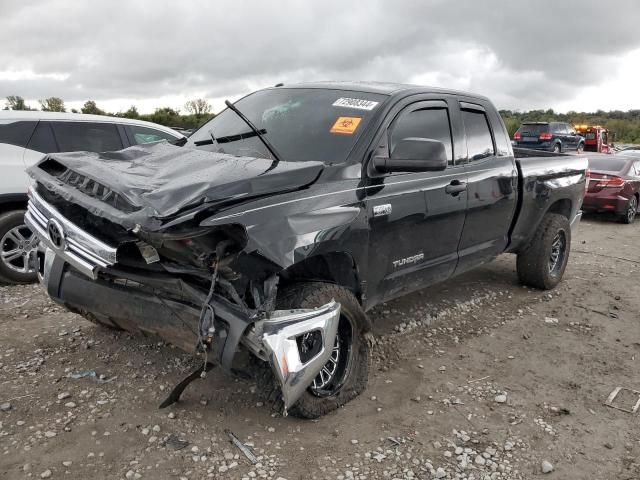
pixel 521 53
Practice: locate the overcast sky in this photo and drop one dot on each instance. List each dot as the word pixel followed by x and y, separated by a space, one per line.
pixel 561 54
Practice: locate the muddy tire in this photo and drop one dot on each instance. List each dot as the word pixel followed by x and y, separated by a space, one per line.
pixel 543 262
pixel 351 378
pixel 632 209
pixel 15 242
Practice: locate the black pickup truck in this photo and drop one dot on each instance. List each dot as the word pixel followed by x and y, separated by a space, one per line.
pixel 262 242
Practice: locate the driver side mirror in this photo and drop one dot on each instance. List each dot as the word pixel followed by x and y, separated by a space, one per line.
pixel 414 155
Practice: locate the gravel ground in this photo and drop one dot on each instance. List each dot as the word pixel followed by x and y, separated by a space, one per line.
pixel 477 378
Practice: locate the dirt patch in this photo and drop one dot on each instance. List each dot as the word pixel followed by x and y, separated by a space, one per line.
pixel 476 378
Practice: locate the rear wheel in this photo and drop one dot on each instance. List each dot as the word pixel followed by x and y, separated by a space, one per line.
pixel 632 209
pixel 17 242
pixel 580 148
pixel 543 263
pixel 346 373
pixel 557 148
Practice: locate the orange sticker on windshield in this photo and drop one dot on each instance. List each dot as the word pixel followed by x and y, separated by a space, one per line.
pixel 346 125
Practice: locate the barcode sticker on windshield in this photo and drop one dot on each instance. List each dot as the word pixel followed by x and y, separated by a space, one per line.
pixel 356 103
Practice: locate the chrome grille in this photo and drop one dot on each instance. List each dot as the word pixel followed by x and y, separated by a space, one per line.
pixel 82 250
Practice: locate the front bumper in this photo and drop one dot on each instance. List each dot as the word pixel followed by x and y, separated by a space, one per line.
pixel 81 273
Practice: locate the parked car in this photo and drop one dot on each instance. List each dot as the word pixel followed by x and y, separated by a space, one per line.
pixel 551 136
pixel 614 186
pixel 292 213
pixel 24 139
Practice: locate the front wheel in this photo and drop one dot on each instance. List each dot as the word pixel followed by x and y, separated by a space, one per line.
pixel 580 148
pixel 346 373
pixel 632 209
pixel 17 242
pixel 542 264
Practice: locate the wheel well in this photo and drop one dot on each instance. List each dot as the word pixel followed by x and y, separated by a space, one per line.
pixel 332 267
pixel 13 205
pixel 562 207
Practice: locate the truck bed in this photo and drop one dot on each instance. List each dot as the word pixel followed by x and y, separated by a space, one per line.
pixel 542 178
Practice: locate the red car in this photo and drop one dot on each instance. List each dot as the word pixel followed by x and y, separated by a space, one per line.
pixel 614 186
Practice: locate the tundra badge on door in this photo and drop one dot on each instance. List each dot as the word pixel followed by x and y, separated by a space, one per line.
pixel 408 260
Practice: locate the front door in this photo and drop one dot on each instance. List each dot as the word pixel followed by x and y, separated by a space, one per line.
pixel 415 219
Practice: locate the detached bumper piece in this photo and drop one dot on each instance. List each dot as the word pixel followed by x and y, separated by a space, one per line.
pixel 281 337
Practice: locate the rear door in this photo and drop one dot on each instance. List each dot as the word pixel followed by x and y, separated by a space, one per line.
pixel 87 136
pixel 491 189
pixel 414 223
pixel 560 134
pixel 572 136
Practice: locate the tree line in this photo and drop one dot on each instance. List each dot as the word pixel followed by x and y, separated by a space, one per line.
pixel 198 111
pixel 625 125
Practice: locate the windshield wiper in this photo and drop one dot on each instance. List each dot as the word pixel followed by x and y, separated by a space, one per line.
pixel 226 139
pixel 258 133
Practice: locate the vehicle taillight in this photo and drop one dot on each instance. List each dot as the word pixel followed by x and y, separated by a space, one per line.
pixel 587 176
pixel 610 181
pixel 545 136
pixel 517 136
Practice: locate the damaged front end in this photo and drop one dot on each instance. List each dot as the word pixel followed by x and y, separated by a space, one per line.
pixel 198 288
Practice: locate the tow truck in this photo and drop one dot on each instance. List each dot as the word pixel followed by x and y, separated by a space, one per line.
pixel 596 138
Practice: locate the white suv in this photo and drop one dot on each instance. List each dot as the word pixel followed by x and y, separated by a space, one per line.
pixel 25 136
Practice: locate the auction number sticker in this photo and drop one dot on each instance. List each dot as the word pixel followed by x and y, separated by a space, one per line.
pixel 357 103
pixel 346 125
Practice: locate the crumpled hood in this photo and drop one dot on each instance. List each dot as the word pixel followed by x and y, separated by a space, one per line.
pixel 155 181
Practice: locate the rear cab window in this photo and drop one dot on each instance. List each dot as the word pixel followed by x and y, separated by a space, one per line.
pixel 478 132
pixel 87 136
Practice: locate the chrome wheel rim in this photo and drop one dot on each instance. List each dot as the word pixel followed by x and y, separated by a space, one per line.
pixel 328 372
pixel 15 249
pixel 558 249
pixel 333 374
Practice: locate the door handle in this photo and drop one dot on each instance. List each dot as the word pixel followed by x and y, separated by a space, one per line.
pixel 455 187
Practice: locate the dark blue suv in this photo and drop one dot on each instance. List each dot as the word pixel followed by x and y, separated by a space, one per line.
pixel 550 136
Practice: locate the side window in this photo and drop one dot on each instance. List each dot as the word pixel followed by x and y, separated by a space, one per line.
pixel 479 139
pixel 16 133
pixel 140 135
pixel 637 165
pixel 42 139
pixel 430 123
pixel 87 136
